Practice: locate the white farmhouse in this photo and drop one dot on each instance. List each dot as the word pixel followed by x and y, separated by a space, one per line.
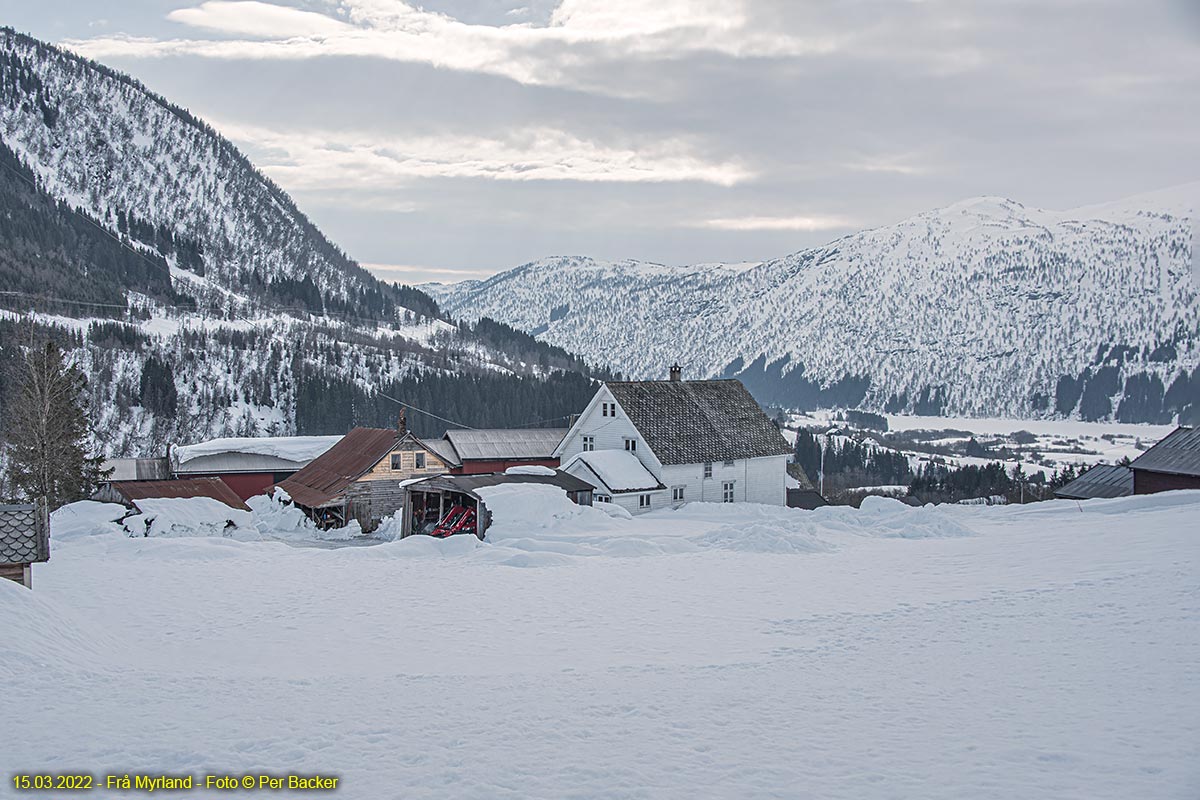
pixel 658 444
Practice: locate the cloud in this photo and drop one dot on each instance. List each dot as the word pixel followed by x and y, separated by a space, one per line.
pixel 253 18
pixel 413 274
pixel 327 160
pixel 820 222
pixel 580 33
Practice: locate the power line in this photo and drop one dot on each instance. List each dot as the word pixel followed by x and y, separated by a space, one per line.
pixel 428 413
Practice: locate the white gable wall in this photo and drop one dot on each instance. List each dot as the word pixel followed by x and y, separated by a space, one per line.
pixel 610 433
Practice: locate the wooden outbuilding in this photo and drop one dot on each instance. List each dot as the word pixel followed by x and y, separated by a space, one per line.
pixel 476 451
pixel 24 540
pixel 359 477
pixel 1173 463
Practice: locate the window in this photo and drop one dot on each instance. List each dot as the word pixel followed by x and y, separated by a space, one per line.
pixel 728 464
pixel 643 501
pixel 631 445
pixel 589 443
pixel 419 459
pixel 708 469
pixel 727 492
pixel 677 494
pixel 608 409
pixel 603 498
pixel 397 461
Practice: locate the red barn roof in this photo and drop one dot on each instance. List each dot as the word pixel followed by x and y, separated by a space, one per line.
pixel 185 487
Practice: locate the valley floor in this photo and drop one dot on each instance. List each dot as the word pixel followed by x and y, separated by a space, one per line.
pixel 716 651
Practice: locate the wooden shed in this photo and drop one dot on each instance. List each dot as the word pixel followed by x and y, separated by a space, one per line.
pixel 24 540
pixel 359 477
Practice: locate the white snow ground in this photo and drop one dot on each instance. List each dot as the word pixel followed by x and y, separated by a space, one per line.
pixel 716 651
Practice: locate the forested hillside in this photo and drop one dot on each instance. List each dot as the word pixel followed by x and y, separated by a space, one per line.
pixel 200 301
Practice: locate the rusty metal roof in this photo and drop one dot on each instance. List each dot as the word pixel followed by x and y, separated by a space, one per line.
pixel 327 476
pixel 24 534
pixel 184 487
pixel 1177 454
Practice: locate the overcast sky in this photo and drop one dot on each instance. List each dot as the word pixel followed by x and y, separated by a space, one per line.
pixel 457 138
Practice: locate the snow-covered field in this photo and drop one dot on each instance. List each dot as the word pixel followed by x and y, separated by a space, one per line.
pixel 1045 651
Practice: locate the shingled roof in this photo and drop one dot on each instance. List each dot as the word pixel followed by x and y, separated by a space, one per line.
pixel 24 534
pixel 505 443
pixel 329 475
pixel 689 422
pixel 1177 454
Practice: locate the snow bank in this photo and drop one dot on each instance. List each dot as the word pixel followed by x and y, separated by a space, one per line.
pixel 85 518
pixel 189 516
pixel 300 449
pixel 520 509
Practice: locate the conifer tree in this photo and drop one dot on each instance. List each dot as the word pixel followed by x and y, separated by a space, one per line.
pixel 47 430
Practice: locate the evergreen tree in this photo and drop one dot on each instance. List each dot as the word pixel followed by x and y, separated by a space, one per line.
pixel 47 431
pixel 156 390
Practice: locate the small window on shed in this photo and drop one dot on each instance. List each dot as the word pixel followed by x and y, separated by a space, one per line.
pixel 397 461
pixel 643 501
pixel 603 498
pixel 419 460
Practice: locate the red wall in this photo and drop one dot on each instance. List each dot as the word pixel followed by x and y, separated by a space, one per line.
pixel 1145 482
pixel 477 467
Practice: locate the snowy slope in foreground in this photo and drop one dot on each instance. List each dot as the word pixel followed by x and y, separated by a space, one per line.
pixel 977 309
pixel 1008 652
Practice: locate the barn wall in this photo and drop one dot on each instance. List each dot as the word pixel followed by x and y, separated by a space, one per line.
pixel 1145 482
pixel 480 466
pixel 247 485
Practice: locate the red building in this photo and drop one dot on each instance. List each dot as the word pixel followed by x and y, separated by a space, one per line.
pixel 473 452
pixel 1173 463
pixel 248 466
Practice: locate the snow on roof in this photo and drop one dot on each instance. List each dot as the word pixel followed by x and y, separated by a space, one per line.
pixel 618 470
pixel 300 449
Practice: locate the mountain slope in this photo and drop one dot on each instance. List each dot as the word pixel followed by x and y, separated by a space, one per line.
pixel 986 307
pixel 196 296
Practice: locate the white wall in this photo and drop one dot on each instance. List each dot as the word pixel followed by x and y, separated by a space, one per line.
pixel 610 433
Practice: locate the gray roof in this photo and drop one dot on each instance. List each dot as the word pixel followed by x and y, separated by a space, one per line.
pixel 24 534
pixel 137 469
pixel 1177 454
pixel 689 422
pixel 506 443
pixel 469 483
pixel 443 450
pixel 1099 481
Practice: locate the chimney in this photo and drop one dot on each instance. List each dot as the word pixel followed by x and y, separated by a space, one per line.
pixel 676 374
pixel 402 422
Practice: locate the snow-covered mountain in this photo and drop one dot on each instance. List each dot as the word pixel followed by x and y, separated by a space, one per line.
pixel 199 299
pixel 984 308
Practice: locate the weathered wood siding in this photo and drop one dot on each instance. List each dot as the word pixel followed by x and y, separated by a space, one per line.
pixel 1146 482
pixel 377 494
pixel 15 572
